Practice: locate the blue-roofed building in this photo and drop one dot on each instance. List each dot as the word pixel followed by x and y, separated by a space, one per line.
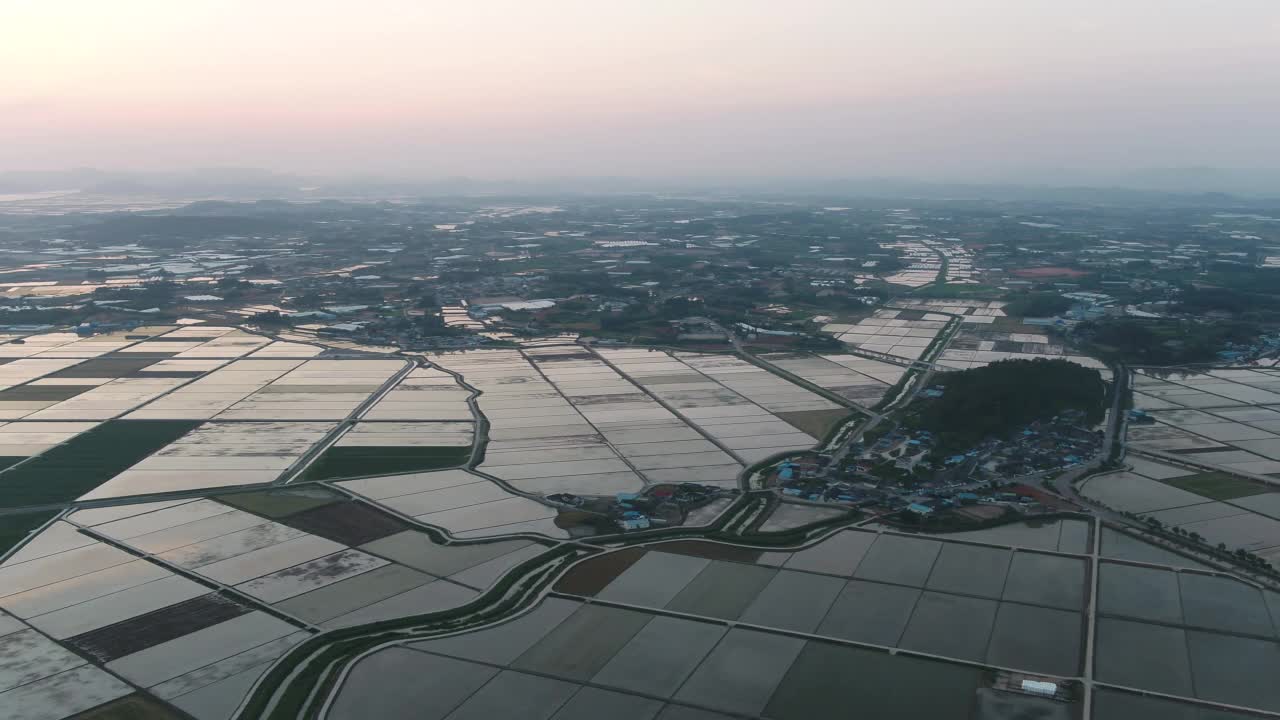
pixel 635 522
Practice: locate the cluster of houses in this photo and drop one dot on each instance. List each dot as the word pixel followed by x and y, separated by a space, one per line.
pixel 922 486
pixel 655 506
pixel 1263 345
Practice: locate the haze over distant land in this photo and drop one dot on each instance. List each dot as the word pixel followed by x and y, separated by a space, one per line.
pixel 1173 95
pixel 1176 184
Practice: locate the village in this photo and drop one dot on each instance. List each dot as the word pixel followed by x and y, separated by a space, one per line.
pixel 895 473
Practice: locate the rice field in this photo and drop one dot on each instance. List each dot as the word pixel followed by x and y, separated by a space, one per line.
pixel 1218 507
pixel 163 603
pixel 857 379
pixel 880 589
pixel 215 454
pixel 909 328
pixel 925 258
pixel 184 408
pixel 527 411
pixel 136 620
pixel 87 621
pixel 1221 418
pixel 638 664
pixel 1205 623
pixel 735 405
pixel 460 502
pixel 86 461
pixel 888 333
pixel 977 345
pixel 614 421
pixel 956 306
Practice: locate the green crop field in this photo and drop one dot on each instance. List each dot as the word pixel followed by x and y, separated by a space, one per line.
pixel 349 462
pixel 81 464
pixel 1216 485
pixel 14 528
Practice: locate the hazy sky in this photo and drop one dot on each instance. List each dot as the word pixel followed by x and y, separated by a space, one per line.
pixel 520 88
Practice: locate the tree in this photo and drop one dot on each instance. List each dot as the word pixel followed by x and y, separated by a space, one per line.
pixel 270 317
pixel 1037 305
pixel 1008 395
pixel 1164 342
pixel 681 307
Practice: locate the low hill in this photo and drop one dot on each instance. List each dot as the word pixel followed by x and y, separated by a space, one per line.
pixel 1005 396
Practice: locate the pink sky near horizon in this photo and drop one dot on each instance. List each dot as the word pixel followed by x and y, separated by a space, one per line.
pixel 501 88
